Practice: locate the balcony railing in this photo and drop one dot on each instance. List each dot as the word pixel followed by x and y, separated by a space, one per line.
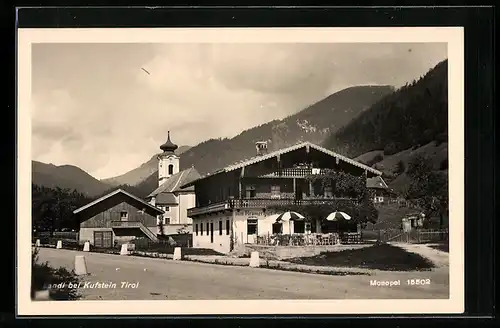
pixel 289 173
pixel 261 203
pixel 126 224
pixel 209 208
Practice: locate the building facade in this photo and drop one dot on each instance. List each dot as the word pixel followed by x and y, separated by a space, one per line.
pixel 380 191
pixel 117 218
pixel 169 196
pixel 234 204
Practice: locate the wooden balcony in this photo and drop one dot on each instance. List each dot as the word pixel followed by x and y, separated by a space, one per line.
pixel 126 224
pixel 290 173
pixel 216 207
pixel 263 203
pixel 255 203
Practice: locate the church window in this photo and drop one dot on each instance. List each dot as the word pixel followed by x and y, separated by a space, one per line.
pixel 170 169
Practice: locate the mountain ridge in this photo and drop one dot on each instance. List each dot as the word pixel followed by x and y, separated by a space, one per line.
pixel 314 123
pixel 140 173
pixel 66 177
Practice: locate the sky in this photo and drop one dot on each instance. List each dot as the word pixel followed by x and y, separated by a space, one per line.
pixel 106 108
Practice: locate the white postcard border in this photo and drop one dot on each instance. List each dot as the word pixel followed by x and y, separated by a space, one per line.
pixel 453 36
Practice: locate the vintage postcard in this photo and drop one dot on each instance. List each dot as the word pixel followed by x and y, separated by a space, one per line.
pixel 240 171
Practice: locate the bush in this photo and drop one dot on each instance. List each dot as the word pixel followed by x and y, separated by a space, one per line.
pixel 400 167
pixel 391 149
pixel 375 160
pixel 146 245
pixel 44 276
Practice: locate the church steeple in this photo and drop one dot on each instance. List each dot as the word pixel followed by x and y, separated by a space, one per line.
pixel 169 146
pixel 168 161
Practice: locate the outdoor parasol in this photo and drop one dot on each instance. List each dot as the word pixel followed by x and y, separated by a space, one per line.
pixel 336 215
pixel 287 216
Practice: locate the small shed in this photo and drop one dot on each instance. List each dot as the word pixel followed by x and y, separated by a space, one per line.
pixel 413 221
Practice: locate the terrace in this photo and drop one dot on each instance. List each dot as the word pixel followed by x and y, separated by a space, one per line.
pixel 245 203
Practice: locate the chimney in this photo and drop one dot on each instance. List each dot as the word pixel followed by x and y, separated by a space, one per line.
pixel 261 147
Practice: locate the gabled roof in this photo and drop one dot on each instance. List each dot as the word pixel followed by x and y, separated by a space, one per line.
pixel 376 183
pixel 166 198
pixel 261 158
pixel 111 194
pixel 176 181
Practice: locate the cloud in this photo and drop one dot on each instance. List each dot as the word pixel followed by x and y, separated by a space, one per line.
pixel 94 107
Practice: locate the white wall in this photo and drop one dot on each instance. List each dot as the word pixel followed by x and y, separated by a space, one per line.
pixel 221 242
pixel 172 213
pixel 186 200
pixel 163 162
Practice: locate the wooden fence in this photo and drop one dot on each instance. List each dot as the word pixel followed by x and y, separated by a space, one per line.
pixel 415 236
pixel 63 235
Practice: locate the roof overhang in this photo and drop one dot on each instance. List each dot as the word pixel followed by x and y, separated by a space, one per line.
pixel 111 194
pixel 277 153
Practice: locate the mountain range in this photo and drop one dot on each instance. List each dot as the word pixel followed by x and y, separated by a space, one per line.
pixel 313 124
pixel 66 177
pixel 378 125
pixel 140 173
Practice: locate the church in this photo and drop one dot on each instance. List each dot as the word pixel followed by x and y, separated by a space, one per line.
pixel 169 196
pixel 120 217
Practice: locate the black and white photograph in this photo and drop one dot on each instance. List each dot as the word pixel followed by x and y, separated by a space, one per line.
pixel 226 171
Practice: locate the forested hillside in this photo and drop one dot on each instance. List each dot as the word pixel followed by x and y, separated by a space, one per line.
pixel 313 124
pixel 52 208
pixel 412 116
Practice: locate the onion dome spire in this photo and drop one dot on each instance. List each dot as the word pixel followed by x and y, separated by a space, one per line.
pixel 169 146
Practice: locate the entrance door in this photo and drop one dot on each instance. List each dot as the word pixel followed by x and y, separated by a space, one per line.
pixel 298 190
pixel 252 230
pixel 211 232
pixel 103 239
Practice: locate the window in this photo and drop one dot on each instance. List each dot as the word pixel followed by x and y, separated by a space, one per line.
pixel 250 191
pixel 171 169
pixel 166 220
pixel 277 227
pixel 208 229
pixel 299 226
pixel 251 226
pixel 275 192
pixel 328 191
pixel 227 227
pixel 220 228
pixel 201 229
pixel 123 216
pixel 196 229
pixel 166 208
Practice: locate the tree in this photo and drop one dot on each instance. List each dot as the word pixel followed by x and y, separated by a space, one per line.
pixel 400 167
pixel 53 208
pixel 428 188
pixel 160 225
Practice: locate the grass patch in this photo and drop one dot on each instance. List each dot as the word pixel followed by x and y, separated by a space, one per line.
pixel 380 257
pixel 44 276
pixel 323 272
pixel 184 251
pixel 441 247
